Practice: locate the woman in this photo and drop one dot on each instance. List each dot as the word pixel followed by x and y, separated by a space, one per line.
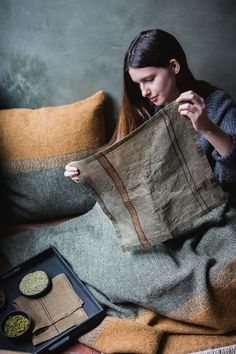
pixel 156 73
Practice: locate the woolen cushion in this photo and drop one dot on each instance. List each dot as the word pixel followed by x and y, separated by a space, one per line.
pixel 35 146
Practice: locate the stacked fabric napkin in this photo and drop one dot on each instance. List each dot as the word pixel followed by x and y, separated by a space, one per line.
pixel 55 312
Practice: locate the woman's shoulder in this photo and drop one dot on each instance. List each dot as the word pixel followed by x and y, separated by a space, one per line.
pixel 218 103
pixel 219 96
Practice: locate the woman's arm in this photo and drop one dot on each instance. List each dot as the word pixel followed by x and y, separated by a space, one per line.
pixel 218 138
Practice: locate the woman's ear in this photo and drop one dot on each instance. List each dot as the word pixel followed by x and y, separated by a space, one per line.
pixel 175 66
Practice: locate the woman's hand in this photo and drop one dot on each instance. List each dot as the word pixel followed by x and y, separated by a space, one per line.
pixel 195 109
pixel 72 172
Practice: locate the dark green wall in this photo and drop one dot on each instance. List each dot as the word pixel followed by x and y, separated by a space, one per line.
pixel 54 52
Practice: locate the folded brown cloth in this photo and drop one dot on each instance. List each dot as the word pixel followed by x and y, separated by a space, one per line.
pixel 55 312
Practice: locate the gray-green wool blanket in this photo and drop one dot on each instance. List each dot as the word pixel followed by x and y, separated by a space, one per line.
pixel 184 285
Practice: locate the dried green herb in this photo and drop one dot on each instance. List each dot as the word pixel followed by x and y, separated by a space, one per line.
pixel 34 283
pixel 16 325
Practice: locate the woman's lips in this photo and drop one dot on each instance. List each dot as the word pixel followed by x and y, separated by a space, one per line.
pixel 153 98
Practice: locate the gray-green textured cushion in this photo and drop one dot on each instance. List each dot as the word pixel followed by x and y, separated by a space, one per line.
pixel 35 146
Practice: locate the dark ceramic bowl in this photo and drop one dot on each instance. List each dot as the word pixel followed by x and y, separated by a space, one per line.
pixel 23 336
pixel 39 293
pixel 3 301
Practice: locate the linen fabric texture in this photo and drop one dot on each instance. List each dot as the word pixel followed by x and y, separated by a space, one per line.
pixel 55 312
pixel 35 146
pixel 153 182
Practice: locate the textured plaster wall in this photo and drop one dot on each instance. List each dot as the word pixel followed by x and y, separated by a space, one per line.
pixel 54 52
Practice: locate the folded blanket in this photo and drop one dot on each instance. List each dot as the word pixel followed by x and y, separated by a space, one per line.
pixel 153 182
pixel 178 297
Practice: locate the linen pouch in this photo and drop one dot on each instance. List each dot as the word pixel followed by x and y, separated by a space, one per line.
pixel 154 182
pixel 55 312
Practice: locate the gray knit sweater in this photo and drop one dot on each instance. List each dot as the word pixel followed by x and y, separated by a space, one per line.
pixel 221 110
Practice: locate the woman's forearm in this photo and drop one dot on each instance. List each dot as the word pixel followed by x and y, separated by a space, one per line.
pixel 219 139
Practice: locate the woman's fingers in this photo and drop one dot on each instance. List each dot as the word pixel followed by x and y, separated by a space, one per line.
pixel 71 166
pixel 190 96
pixel 187 107
pixel 193 106
pixel 75 179
pixel 71 169
pixel 71 173
pixel 73 176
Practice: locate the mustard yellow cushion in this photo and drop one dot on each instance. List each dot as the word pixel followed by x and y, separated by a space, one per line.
pixel 35 145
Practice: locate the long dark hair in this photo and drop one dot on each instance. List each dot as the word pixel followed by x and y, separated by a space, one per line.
pixel 155 48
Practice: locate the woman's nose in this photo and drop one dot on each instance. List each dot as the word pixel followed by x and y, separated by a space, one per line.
pixel 144 90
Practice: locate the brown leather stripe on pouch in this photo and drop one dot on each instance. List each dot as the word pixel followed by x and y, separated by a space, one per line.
pixel 125 197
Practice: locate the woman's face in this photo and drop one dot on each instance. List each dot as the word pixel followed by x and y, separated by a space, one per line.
pixel 156 84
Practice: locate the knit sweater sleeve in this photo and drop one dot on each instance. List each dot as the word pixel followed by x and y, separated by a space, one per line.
pixel 222 111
